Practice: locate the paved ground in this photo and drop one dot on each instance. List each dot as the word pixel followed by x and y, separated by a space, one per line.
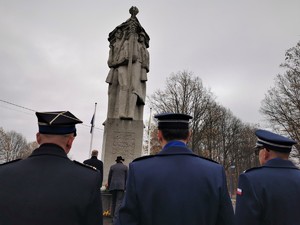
pixel 107 220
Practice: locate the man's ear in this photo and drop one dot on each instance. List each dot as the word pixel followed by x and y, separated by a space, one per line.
pixel 189 137
pixel 38 138
pixel 69 144
pixel 159 136
pixel 267 154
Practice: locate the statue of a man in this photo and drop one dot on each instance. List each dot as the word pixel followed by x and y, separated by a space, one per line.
pixel 129 64
pixel 139 76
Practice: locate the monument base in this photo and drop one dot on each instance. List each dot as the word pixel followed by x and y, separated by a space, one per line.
pixel 121 138
pixel 106 201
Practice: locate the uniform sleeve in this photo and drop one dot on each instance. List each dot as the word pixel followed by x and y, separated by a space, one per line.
pixel 129 211
pixel 248 208
pixel 226 214
pixel 94 214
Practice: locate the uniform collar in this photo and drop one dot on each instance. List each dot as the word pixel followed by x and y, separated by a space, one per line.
pixel 175 143
pixel 49 149
pixel 277 162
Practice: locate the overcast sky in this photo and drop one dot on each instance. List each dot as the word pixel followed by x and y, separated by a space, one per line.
pixel 53 54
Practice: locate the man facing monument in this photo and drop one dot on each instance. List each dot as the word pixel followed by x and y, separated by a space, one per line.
pixel 175 186
pixel 48 188
pixel 95 162
pixel 116 184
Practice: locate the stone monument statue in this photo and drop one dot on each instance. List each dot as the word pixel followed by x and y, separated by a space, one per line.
pixel 128 61
pixel 129 64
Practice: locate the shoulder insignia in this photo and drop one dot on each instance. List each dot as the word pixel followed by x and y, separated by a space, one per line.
pixel 143 157
pixel 16 160
pixel 85 165
pixel 251 169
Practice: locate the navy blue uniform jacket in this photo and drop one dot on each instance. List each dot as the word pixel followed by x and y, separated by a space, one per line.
pixel 269 195
pixel 176 187
pixel 48 188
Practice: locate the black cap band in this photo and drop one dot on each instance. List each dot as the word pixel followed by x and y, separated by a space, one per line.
pixel 44 129
pixel 173 120
pixel 59 122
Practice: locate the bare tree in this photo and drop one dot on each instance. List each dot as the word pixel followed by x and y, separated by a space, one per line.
pixel 216 133
pixel 224 136
pixel 281 105
pixel 154 143
pixel 229 129
pixel 13 146
pixel 184 93
pixel 207 136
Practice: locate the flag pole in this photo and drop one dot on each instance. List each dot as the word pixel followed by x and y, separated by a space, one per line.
pixel 149 133
pixel 92 128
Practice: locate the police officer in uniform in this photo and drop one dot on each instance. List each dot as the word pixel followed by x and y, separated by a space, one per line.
pixel 176 186
pixel 270 194
pixel 48 188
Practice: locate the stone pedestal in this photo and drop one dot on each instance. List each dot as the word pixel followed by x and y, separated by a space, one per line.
pixel 121 138
pixel 106 201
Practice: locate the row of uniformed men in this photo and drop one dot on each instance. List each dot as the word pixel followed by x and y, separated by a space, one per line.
pixel 174 186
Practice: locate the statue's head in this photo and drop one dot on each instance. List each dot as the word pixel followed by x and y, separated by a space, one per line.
pixel 133 11
pixel 119 34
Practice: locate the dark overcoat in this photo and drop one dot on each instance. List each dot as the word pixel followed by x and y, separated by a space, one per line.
pixel 48 188
pixel 269 195
pixel 117 177
pixel 176 187
pixel 95 162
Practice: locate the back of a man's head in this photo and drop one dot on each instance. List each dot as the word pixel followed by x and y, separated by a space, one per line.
pixel 95 153
pixel 173 126
pixel 55 139
pixel 175 134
